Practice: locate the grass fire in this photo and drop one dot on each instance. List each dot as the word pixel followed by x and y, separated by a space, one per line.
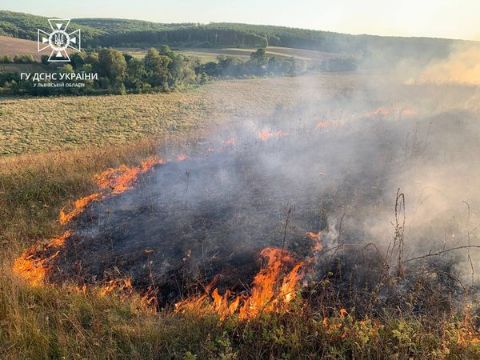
pixel 213 190
pixel 286 215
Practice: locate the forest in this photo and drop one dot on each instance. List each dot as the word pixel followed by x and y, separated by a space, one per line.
pixel 124 33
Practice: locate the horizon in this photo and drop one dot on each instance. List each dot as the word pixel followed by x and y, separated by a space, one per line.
pixel 443 20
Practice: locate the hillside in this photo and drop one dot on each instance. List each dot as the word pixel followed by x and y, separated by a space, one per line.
pixel 25 26
pixel 144 34
pixel 11 46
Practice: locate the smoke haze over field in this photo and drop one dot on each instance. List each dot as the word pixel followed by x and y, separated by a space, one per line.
pixel 461 67
pixel 330 165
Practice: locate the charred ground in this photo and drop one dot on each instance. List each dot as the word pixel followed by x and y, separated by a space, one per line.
pixel 206 218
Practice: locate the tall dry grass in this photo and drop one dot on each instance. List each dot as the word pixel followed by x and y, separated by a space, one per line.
pixel 54 323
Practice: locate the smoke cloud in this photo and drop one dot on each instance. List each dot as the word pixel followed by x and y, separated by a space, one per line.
pixel 461 67
pixel 331 161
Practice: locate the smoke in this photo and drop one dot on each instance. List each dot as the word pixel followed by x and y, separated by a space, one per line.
pixel 329 160
pixel 461 67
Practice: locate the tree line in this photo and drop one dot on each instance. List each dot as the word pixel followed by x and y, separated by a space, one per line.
pixel 17 59
pixel 159 70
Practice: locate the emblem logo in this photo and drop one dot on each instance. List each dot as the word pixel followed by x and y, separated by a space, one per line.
pixel 59 40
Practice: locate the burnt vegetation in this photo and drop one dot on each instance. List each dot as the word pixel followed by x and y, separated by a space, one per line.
pixel 340 228
pixel 204 220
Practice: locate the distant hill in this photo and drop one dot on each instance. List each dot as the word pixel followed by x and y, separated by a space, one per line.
pixel 144 34
pixel 25 26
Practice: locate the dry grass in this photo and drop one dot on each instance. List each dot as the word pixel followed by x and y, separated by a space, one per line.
pixel 210 54
pixel 11 46
pixel 46 124
pixel 55 323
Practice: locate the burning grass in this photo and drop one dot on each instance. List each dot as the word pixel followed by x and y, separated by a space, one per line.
pixel 111 182
pixel 273 291
pixel 55 322
pixel 208 203
pixel 310 281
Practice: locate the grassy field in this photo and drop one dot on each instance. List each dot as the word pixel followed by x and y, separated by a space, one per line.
pixel 53 147
pixel 46 124
pixel 55 323
pixel 210 54
pixel 11 46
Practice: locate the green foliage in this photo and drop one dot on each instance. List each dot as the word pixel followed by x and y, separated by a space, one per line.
pixel 25 26
pixel 160 70
pixel 112 65
pixel 44 59
pixel 156 67
pixel 23 59
pixel 67 68
pixel 5 60
pixel 134 33
pixel 260 64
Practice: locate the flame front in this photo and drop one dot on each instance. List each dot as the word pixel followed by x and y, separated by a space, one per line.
pixel 120 179
pixel 79 206
pixel 316 238
pixel 273 290
pixel 34 268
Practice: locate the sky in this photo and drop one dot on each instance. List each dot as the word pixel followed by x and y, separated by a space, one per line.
pixel 458 19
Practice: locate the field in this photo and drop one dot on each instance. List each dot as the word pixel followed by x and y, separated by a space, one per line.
pixel 10 46
pixel 52 148
pixel 210 54
pixel 46 124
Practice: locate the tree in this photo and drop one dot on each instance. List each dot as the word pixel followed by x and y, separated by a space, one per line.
pixel 5 60
pixel 77 59
pixel 156 67
pixel 259 56
pixel 135 74
pixel 67 68
pixel 165 50
pixel 112 64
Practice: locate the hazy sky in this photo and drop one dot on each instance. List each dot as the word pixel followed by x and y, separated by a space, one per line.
pixel 437 18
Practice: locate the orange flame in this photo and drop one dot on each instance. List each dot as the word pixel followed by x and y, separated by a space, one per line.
pixel 123 286
pixel 384 112
pixel 264 135
pixel 230 141
pixel 380 112
pixel 79 206
pixel 316 237
pixel 272 291
pixel 34 270
pixel 122 178
pixel 182 157
pixel 408 112
pixel 116 180
pixel 324 124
